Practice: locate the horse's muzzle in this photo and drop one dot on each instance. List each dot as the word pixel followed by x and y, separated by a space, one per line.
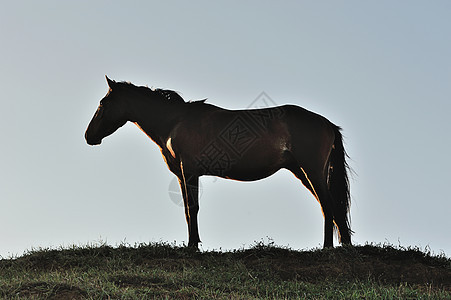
pixel 91 141
pixel 94 143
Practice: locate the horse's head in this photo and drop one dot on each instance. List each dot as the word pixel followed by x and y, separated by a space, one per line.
pixel 110 115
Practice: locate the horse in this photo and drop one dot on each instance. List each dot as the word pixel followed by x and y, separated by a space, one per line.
pixel 197 138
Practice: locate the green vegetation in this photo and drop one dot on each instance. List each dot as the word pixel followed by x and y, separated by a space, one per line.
pixel 262 272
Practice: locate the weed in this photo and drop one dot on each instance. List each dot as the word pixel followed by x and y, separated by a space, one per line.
pixel 264 271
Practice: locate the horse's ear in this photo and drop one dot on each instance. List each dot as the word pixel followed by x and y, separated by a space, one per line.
pixel 111 83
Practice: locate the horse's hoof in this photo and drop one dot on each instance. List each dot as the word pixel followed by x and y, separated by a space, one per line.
pixel 193 246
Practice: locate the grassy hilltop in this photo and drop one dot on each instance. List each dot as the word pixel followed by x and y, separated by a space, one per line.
pixel 261 272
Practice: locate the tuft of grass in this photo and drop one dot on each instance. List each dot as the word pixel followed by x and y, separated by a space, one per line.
pixel 264 271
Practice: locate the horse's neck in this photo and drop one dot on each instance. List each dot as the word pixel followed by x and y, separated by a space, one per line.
pixel 157 121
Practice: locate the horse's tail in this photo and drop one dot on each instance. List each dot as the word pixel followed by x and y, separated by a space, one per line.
pixel 338 178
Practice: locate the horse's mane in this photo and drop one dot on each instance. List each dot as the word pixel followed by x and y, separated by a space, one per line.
pixel 167 95
pixel 173 96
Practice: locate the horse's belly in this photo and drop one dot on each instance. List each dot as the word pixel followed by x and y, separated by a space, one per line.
pixel 248 176
pixel 246 159
pixel 252 169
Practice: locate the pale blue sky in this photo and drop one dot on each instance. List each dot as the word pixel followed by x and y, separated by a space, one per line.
pixel 380 69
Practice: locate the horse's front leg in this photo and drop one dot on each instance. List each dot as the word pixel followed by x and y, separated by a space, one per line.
pixel 190 191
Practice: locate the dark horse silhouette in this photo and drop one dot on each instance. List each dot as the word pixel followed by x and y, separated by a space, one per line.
pixel 197 139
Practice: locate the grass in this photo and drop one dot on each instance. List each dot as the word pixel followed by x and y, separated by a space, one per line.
pixel 265 271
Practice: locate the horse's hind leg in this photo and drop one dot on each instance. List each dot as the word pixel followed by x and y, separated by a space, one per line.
pixel 319 190
pixel 325 199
